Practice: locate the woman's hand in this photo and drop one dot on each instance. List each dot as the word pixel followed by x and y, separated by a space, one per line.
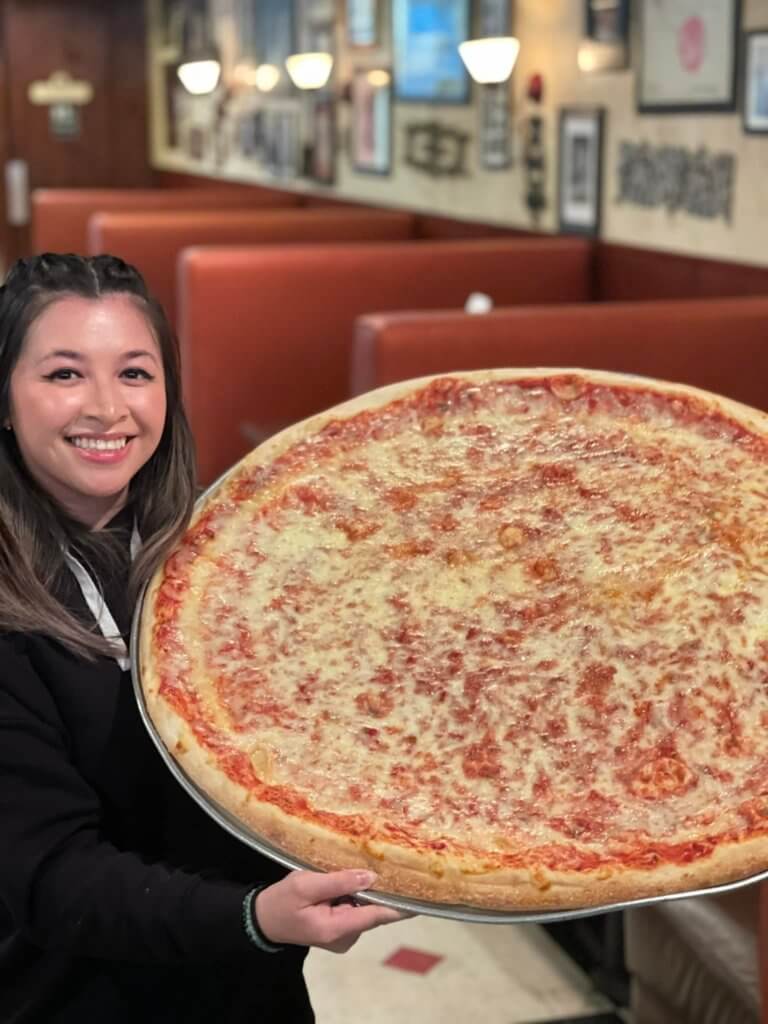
pixel 300 909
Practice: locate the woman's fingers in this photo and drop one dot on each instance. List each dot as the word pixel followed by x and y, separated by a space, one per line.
pixel 314 887
pixel 301 909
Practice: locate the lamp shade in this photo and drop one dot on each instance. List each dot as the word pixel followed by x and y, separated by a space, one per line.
pixel 490 60
pixel 309 70
pixel 199 76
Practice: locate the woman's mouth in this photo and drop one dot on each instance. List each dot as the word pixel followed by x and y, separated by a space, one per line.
pixel 101 449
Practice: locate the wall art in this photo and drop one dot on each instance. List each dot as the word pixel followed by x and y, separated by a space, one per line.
pixel 362 22
pixel 605 46
pixel 580 170
pixel 756 81
pixel 495 136
pixel 688 51
pixel 371 127
pixel 695 182
pixel 425 40
pixel 436 149
pixel 323 164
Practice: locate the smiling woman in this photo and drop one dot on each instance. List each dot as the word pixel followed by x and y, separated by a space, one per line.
pixel 90 402
pixel 119 898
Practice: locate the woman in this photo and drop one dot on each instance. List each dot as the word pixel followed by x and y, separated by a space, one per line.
pixel 120 899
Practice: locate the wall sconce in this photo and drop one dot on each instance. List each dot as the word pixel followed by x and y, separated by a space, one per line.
pixel 266 77
pixel 490 60
pixel 199 70
pixel 309 70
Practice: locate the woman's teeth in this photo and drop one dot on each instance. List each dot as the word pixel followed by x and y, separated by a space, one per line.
pixel 89 442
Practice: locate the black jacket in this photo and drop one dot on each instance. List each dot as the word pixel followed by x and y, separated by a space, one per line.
pixel 120 899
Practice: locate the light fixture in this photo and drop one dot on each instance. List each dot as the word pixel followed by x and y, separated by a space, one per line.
pixel 199 69
pixel 378 78
pixel 490 60
pixel 199 77
pixel 309 70
pixel 266 77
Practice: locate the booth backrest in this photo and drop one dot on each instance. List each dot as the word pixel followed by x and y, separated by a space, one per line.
pixel 717 344
pixel 266 333
pixel 60 215
pixel 625 273
pixel 152 241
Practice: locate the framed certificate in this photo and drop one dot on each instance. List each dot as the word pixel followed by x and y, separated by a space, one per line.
pixel 688 55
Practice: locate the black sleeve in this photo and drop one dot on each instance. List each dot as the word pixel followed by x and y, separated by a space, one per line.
pixel 67 888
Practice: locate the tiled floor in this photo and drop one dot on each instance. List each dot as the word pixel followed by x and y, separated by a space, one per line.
pixel 429 970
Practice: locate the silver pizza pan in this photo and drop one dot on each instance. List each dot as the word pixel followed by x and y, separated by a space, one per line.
pixel 474 915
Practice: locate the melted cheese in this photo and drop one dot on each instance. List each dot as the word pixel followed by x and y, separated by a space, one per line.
pixel 534 618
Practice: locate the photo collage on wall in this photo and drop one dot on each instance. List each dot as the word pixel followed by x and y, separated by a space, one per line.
pixel 391 58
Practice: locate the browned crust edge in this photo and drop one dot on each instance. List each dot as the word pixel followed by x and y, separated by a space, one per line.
pixel 430 875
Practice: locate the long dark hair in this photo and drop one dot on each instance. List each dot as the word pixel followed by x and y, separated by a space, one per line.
pixel 34 530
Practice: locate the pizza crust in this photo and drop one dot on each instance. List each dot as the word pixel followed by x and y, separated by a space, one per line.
pixel 427 875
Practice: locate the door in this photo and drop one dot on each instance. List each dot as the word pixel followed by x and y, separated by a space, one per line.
pixel 73 109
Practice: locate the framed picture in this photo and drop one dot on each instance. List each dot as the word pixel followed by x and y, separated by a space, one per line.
pixel 580 172
pixel 362 22
pixel 495 135
pixel 425 40
pixel 605 46
pixel 688 55
pixel 273 38
pixel 281 142
pixel 756 81
pixel 323 164
pixel 371 128
pixel 494 18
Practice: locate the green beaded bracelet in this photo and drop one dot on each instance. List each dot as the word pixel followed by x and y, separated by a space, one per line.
pixel 251 925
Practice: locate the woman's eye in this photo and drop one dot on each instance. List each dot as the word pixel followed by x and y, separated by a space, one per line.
pixel 62 374
pixel 136 373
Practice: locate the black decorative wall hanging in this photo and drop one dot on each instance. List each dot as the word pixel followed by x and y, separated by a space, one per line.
pixel 697 182
pixel 436 149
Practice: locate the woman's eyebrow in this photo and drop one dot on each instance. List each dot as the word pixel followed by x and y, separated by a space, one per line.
pixel 62 353
pixel 137 353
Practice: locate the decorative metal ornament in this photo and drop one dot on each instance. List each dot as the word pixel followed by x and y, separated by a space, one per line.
pixel 436 149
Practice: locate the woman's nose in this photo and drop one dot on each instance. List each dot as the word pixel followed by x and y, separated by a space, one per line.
pixel 104 401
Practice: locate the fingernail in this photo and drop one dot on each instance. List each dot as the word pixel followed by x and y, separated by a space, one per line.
pixel 365 879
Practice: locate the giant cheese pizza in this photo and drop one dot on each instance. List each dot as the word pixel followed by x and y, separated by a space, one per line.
pixel 500 636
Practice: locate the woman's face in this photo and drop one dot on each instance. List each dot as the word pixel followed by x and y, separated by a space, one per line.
pixel 87 402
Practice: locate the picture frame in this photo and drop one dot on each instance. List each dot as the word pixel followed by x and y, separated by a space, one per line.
pixel 688 56
pixel 362 22
pixel 605 46
pixel 755 107
pixel 371 123
pixel 273 37
pixel 495 135
pixel 426 62
pixel 323 162
pixel 580 157
pixel 282 142
pixel 494 18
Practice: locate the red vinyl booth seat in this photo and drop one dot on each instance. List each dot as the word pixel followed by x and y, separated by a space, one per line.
pixel 60 215
pixel 266 333
pixel 152 241
pixel 717 344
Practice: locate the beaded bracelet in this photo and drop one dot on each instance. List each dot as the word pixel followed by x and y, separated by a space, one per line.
pixel 251 924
